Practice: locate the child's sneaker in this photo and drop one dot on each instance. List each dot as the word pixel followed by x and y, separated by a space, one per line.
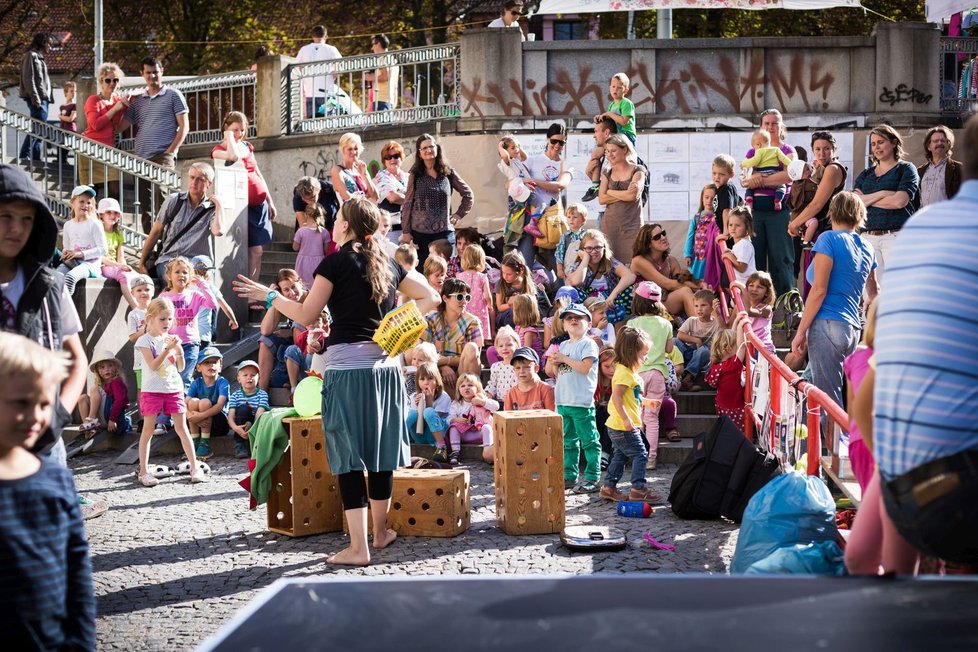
pixel 89 424
pixel 777 204
pixel 611 493
pixel 644 495
pixel 454 457
pixel 605 460
pixel 159 429
pixel 241 451
pixel 749 202
pixel 147 480
pixel 533 229
pixel 586 487
pixel 441 455
pixel 203 449
pixel 591 194
pixel 570 484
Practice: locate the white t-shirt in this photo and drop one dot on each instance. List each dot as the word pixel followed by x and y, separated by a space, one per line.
pixel 70 322
pixel 166 379
pixel 136 321
pixel 744 252
pixel 542 167
pixel 319 86
pixel 513 25
pixel 87 236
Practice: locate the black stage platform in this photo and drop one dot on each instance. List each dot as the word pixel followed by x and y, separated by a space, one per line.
pixel 597 613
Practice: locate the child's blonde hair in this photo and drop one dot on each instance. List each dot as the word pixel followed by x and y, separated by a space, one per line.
pixel 21 356
pixel 766 282
pixel 557 324
pixel 474 259
pixel 504 332
pixel 157 306
pixel 507 141
pixel 578 208
pixel 725 161
pixel 703 207
pixel 173 264
pixel 526 313
pixel 69 85
pixel 763 135
pixel 407 255
pixel 435 264
pixel 317 214
pixel 425 352
pixel 623 78
pixel 470 378
pixel 595 304
pixel 429 371
pixel 723 346
pixel 629 345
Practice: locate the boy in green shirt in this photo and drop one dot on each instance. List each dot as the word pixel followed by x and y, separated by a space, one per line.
pixel 622 111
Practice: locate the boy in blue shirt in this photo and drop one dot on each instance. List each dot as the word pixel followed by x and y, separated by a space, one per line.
pixel 246 405
pixel 207 402
pixel 575 366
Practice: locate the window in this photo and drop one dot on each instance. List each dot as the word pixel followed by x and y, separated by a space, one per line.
pixel 570 30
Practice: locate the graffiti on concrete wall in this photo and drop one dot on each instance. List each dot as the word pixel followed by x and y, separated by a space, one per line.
pixel 903 93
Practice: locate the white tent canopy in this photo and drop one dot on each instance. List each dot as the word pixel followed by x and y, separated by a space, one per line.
pixel 595 6
pixel 939 10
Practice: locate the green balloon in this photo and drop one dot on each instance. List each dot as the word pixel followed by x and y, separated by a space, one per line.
pixel 308 397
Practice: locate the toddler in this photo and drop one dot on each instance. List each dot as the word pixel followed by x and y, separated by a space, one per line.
pixel 502 375
pixel 311 243
pixel 423 353
pixel 575 365
pixel 694 338
pixel 474 273
pixel 435 272
pixel 245 406
pixel 726 199
pixel 726 373
pixel 513 166
pixel 625 418
pixel 766 159
pixel 141 287
pixel 740 227
pixel 114 264
pixel 189 295
pixel 406 256
pixel 106 404
pixel 68 112
pixel 529 393
pixel 602 332
pixel 431 403
pixel 162 387
pixel 207 319
pixel 602 395
pixel 83 240
pixel 47 593
pixel 570 243
pixel 443 248
pixel 696 236
pixel 470 418
pixel 207 402
pixel 526 317
pixel 622 111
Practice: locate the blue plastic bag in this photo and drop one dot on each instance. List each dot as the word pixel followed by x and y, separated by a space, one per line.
pixel 825 558
pixel 791 509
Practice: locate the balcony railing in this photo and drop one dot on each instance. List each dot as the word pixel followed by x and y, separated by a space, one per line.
pixel 338 95
pixel 210 98
pixel 959 75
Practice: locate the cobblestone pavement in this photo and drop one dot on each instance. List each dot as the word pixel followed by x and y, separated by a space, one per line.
pixel 174 562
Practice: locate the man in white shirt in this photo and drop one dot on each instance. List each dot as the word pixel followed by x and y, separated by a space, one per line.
pixel 315 89
pixel 512 10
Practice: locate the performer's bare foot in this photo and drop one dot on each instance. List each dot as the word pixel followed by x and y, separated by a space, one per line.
pixel 383 542
pixel 347 557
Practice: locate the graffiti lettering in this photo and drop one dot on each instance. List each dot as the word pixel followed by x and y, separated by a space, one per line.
pixel 904 94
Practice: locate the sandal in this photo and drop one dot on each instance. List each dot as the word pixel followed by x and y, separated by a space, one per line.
pixel 147 480
pixel 586 487
pixel 674 436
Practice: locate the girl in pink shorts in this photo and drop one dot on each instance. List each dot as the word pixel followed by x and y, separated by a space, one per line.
pixel 162 388
pixel 114 264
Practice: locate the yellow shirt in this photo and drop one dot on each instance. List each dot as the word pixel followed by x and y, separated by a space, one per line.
pixel 631 400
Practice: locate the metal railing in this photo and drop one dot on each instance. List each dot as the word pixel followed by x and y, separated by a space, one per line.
pixel 958 72
pixel 806 405
pixel 337 95
pixel 209 99
pixel 61 160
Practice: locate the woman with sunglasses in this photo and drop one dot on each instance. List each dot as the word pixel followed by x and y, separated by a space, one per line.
pixel 103 113
pixel 549 179
pixel 456 334
pixel 651 262
pixel 512 10
pixel 426 214
pixel 391 182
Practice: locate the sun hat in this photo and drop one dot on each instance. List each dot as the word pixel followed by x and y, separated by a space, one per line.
pixel 107 204
pixel 104 356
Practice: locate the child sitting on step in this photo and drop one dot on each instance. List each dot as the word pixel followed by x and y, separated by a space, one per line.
pixel 105 405
pixel 470 418
pixel 207 402
pixel 429 407
pixel 245 406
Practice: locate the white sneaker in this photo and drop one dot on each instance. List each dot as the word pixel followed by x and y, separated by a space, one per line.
pixel 159 429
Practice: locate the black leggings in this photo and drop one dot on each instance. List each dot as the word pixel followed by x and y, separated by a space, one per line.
pixel 354 491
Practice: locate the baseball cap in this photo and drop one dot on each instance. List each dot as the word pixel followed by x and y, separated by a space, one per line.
pixel 202 262
pixel 575 309
pixel 649 290
pixel 82 190
pixel 107 204
pixel 244 364
pixel 526 353
pixel 566 292
pixel 140 279
pixel 211 352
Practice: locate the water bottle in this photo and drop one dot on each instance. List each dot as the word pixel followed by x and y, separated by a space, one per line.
pixel 634 509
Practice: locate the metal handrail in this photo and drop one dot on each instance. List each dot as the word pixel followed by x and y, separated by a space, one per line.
pixel 813 395
pixel 951 100
pixel 427 89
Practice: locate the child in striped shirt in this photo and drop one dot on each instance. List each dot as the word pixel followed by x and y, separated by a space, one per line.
pixel 247 404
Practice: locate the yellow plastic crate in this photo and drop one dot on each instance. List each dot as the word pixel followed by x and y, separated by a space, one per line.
pixel 400 329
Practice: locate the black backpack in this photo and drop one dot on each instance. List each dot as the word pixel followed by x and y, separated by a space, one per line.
pixel 721 474
pixel 786 317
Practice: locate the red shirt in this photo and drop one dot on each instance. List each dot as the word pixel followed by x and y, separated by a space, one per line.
pixel 101 127
pixel 257 190
pixel 726 377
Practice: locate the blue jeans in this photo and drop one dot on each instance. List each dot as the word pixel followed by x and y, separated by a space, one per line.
pixel 829 342
pixel 695 358
pixel 124 424
pixel 280 374
pixel 34 144
pixel 432 423
pixel 628 446
pixel 190 351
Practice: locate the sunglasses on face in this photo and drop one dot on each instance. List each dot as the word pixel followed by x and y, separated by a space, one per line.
pixel 110 81
pixel 659 236
pixel 557 141
pixel 391 157
pixel 463 298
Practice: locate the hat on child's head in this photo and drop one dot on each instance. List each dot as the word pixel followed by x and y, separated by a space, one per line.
pixel 649 290
pixel 566 292
pixel 202 262
pixel 107 204
pixel 525 353
pixel 575 309
pixel 83 190
pixel 244 364
pixel 104 356
pixel 140 279
pixel 211 352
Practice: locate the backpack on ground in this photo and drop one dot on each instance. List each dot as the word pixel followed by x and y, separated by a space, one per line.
pixel 721 474
pixel 786 317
